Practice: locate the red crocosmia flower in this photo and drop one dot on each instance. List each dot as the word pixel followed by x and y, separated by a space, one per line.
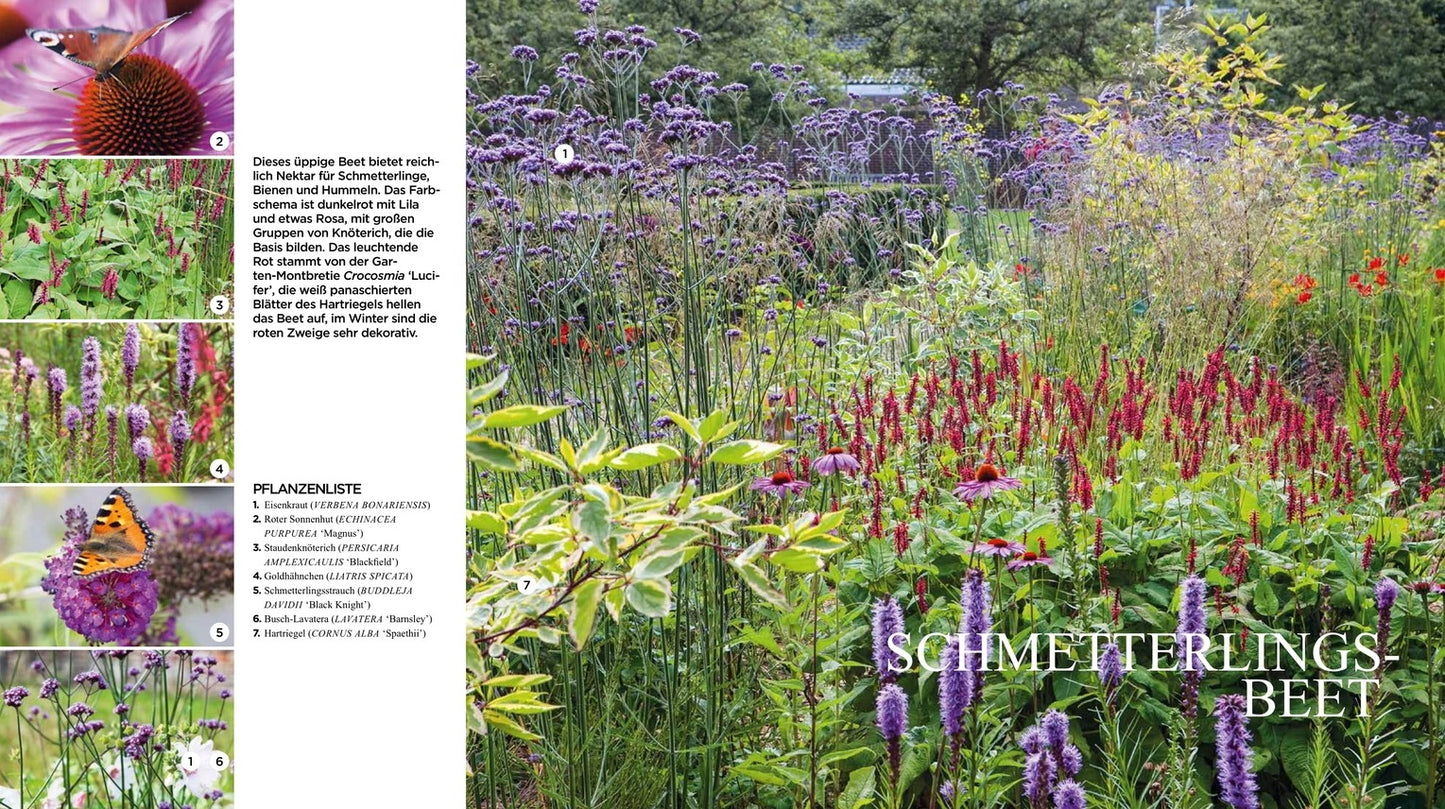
pixel 1354 279
pixel 1440 275
pixel 1376 263
pixel 1382 278
pixel 1304 281
pixel 1403 258
pixel 1304 297
pixel 1366 290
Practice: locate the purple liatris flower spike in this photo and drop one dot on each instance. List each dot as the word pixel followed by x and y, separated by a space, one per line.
pixel 186 362
pixel 977 624
pixel 109 607
pixel 951 686
pixel 130 356
pixel 1039 774
pixel 1386 592
pixel 892 722
pixel 1189 641
pixel 58 385
pixel 1111 671
pixel 72 418
pixel 90 378
pixel 144 450
pixel 112 426
pixel 1069 795
pixel 1056 729
pixel 887 622
pixel 1237 786
pixel 180 430
pixel 137 420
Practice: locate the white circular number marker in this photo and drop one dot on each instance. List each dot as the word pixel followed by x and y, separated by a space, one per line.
pixel 222 761
pixel 220 305
pixel 220 141
pixel 220 469
pixel 564 153
pixel 220 631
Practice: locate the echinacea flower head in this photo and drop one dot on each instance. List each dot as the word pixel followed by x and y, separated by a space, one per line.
pixel 998 547
pixel 987 481
pixel 166 98
pixel 1237 786
pixel 779 484
pixel 110 607
pixel 1029 559
pixel 836 461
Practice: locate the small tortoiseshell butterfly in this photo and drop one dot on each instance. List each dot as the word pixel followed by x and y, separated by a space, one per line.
pixel 100 49
pixel 119 540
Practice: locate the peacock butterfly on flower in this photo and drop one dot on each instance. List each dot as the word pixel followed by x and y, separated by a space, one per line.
pixel 100 49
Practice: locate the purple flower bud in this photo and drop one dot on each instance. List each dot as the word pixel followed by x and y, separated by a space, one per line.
pixel 130 355
pixel 186 361
pixel 1386 592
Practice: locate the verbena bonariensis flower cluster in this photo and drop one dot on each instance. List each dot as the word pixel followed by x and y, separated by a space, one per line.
pixel 191 558
pixel 115 402
pixel 1162 364
pixel 114 728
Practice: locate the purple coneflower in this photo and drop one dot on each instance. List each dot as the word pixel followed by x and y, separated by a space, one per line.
pixel 987 481
pixel 887 622
pixel 836 461
pixel 167 97
pixel 1237 786
pixel 997 547
pixel 892 722
pixel 1029 559
pixel 779 484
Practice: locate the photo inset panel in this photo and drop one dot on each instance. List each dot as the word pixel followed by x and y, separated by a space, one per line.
pixel 116 239
pixel 123 566
pixel 116 78
pixel 115 402
pixel 142 728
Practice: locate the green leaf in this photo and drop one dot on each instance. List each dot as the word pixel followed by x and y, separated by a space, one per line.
pixel 862 786
pixel 684 424
pixel 759 583
pixel 583 617
pixel 507 725
pixel 659 565
pixel 522 415
pixel 1266 600
pixel 524 703
pixel 797 561
pixel 517 680
pixel 488 390
pixel 746 451
pixel 651 597
pixel 492 454
pixel 488 522
pixel 643 456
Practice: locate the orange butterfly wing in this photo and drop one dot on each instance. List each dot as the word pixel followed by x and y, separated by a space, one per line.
pixel 119 540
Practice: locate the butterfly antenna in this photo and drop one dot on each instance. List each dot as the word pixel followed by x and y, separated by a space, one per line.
pixel 67 84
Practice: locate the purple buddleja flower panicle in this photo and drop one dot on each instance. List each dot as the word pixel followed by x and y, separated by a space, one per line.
pixel 1237 786
pixel 892 722
pixel 1189 640
pixel 180 434
pixel 193 556
pixel 113 606
pixel 976 625
pixel 887 622
pixel 1386 592
pixel 144 450
pixel 1069 795
pixel 90 381
pixel 1111 672
pixel 186 362
pixel 130 357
